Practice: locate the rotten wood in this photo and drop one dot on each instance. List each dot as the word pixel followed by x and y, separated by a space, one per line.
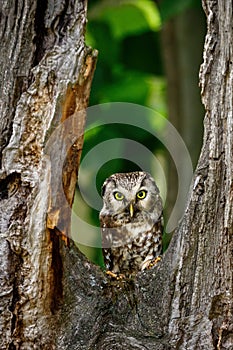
pixel 46 74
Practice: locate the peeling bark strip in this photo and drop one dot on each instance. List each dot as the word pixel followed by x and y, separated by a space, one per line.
pixel 45 77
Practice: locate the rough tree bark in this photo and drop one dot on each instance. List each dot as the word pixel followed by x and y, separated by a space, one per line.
pixel 51 296
pixel 45 78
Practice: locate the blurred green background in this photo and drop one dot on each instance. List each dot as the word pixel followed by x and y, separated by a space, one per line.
pixel 149 54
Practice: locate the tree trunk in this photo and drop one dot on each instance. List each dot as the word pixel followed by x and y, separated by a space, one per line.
pixel 182 45
pixel 51 296
pixel 46 73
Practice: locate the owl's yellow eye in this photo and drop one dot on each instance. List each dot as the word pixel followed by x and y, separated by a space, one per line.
pixel 141 194
pixel 119 196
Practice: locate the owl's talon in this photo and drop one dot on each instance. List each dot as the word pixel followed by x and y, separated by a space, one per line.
pixel 120 276
pixel 111 274
pixel 154 262
pixel 115 275
pixel 148 264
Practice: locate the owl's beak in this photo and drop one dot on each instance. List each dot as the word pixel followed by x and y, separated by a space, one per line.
pixel 131 209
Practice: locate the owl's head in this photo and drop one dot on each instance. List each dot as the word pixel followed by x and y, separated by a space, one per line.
pixel 131 196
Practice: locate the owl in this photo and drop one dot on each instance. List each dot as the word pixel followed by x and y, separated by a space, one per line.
pixel 131 222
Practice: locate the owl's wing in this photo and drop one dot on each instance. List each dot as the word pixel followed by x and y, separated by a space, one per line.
pixel 106 234
pixel 106 247
pixel 154 245
pixel 108 259
pixel 157 237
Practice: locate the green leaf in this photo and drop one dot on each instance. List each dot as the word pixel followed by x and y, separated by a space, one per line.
pixel 127 17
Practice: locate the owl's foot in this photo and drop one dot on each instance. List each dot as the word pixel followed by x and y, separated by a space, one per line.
pixel 117 276
pixel 148 264
pixel 154 262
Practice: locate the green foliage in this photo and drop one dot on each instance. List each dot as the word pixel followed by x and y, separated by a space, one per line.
pixel 126 17
pixel 124 33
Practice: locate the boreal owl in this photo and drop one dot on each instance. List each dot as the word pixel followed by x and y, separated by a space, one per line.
pixel 131 222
